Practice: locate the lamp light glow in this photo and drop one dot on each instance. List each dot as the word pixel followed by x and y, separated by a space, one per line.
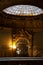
pixel 12 46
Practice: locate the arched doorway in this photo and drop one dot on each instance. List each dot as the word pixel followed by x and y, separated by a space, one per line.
pixel 22 48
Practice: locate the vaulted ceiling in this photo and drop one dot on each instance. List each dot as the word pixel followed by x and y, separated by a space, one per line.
pixel 27 22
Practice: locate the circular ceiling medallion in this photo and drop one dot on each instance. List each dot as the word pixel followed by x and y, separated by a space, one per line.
pixel 23 10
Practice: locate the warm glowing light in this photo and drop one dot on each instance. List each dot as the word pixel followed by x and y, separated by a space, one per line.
pixel 12 45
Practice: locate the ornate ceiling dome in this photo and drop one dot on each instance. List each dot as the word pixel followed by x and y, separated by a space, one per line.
pixel 23 10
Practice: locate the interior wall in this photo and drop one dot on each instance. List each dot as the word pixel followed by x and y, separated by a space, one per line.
pixel 38 42
pixel 6 37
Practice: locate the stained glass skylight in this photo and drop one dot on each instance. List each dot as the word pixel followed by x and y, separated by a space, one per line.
pixel 23 10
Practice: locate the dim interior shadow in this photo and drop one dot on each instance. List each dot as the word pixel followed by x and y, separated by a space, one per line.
pixel 21 63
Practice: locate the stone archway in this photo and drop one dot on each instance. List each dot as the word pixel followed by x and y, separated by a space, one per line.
pixel 22 47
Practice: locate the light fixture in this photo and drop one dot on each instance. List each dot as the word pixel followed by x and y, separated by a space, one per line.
pixel 23 10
